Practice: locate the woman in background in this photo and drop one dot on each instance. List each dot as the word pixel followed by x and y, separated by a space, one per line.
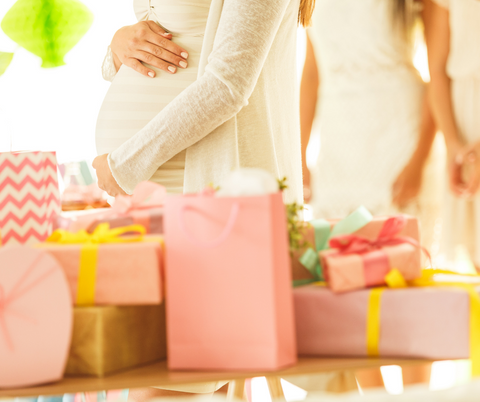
pixel 362 92
pixel 454 60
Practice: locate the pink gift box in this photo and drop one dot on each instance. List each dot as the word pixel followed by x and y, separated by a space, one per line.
pixel 144 207
pixel 35 318
pixel 357 271
pixel 431 323
pixel 29 196
pixel 229 296
pixel 370 232
pixel 73 221
pixel 126 273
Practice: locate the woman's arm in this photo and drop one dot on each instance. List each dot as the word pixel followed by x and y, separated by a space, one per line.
pixel 438 41
pixel 408 184
pixel 308 104
pixel 244 37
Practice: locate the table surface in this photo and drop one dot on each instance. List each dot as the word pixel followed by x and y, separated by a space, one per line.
pixel 157 374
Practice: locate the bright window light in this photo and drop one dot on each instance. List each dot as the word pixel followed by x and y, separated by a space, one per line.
pixel 393 379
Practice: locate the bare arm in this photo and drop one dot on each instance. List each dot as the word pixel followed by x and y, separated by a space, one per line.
pixel 408 184
pixel 308 103
pixel 438 40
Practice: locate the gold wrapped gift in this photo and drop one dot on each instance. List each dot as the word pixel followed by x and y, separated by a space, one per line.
pixel 108 339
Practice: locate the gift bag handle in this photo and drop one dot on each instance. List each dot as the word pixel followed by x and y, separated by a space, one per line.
pixel 221 238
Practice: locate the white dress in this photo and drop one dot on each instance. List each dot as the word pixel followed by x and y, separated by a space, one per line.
pixel 369 105
pixel 133 100
pixel 462 217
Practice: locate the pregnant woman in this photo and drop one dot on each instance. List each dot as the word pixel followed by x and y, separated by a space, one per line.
pixel 234 105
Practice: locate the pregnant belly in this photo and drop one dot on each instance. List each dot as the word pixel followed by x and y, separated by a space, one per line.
pixel 133 100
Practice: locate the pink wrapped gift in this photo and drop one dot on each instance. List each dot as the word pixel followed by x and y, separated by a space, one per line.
pixel 431 323
pixel 144 207
pixel 229 296
pixel 35 318
pixel 354 262
pixel 107 269
pixel 29 197
pixel 317 234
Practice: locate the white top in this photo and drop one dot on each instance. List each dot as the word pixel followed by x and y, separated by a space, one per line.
pixel 133 100
pixel 464 58
pixel 241 112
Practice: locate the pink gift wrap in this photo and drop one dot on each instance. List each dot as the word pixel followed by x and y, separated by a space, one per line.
pixel 126 274
pixel 357 271
pixel 430 323
pixel 144 207
pixel 29 196
pixel 35 318
pixel 73 221
pixel 229 296
pixel 370 232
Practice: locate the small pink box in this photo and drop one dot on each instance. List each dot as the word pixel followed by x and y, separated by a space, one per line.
pixel 370 232
pixel 357 271
pixel 430 323
pixel 126 273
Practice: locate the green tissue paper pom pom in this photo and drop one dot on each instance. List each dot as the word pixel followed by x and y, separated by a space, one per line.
pixel 5 60
pixel 47 28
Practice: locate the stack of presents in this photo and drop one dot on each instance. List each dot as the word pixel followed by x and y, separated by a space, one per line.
pixel 210 281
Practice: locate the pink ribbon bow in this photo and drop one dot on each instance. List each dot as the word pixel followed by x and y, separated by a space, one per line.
pixel 146 195
pixel 353 244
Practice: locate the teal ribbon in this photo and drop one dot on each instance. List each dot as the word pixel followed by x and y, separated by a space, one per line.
pixel 323 233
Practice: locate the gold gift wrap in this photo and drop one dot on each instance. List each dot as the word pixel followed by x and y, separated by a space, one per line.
pixel 110 338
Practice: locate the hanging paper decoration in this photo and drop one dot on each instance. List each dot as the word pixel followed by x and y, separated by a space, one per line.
pixel 47 28
pixel 5 60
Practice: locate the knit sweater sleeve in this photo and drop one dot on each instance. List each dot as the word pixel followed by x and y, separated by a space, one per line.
pixel 245 34
pixel 108 66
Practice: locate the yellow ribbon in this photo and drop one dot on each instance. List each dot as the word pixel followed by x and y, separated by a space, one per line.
pixel 87 274
pixel 428 280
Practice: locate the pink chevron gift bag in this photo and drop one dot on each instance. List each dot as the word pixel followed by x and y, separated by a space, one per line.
pixel 228 283
pixel 29 196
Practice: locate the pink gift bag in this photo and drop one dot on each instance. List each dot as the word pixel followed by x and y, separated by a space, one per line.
pixel 229 297
pixel 29 197
pixel 35 318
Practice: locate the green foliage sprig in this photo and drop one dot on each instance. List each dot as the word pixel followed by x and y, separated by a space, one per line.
pixel 295 224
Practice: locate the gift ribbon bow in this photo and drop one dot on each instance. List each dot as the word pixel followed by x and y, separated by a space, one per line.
pixel 458 281
pixel 388 236
pixel 146 195
pixel 18 290
pixel 89 252
pixel 323 232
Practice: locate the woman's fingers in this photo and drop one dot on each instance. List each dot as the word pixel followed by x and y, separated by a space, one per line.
pixel 163 54
pixel 154 61
pixel 166 44
pixel 139 67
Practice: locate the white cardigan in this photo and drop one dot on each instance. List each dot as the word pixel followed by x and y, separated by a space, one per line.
pixel 242 111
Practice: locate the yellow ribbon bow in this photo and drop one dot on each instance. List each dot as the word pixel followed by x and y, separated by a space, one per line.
pixel 87 274
pixel 449 280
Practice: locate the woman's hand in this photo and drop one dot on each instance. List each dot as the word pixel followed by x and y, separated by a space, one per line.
pixel 307 189
pixel 106 181
pixel 146 42
pixel 469 158
pixel 455 163
pixel 408 183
